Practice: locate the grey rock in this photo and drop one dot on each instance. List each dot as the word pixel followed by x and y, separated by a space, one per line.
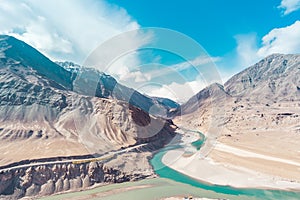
pixel 33 190
pixel 48 188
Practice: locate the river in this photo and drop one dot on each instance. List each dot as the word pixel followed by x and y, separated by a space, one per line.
pixel 166 172
pixel 173 183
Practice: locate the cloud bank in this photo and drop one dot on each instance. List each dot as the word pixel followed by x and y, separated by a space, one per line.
pixel 68 29
pixel 289 6
pixel 72 29
pixel 250 49
pixel 281 40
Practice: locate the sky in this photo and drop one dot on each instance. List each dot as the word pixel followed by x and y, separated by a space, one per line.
pixel 215 36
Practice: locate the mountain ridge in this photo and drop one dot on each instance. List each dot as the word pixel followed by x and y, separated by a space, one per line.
pixel 240 84
pixel 19 51
pixel 86 81
pixel 278 72
pixel 91 82
pixel 37 109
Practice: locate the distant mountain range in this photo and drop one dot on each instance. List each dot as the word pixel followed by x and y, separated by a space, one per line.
pixel 33 88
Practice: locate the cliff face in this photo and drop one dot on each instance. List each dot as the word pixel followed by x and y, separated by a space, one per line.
pixel 52 178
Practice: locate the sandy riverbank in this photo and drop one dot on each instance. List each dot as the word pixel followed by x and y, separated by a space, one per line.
pixel 257 146
pixel 222 167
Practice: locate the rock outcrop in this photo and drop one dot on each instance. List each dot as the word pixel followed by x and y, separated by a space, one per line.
pixel 52 178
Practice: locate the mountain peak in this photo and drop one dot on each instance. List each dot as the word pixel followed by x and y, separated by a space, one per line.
pixel 15 54
pixel 275 76
pixel 208 95
pixel 6 37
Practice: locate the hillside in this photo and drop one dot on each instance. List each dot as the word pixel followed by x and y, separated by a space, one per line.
pixel 257 112
pixel 275 78
pixel 46 112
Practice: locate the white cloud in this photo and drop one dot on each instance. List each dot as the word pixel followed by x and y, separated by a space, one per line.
pixel 72 29
pixel 198 62
pixel 289 6
pixel 168 81
pixel 180 93
pixel 68 29
pixel 246 49
pixel 125 70
pixel 281 40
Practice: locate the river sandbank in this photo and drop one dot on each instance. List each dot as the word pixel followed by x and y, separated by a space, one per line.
pixel 223 173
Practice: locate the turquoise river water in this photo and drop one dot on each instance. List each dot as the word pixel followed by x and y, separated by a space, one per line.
pixel 166 172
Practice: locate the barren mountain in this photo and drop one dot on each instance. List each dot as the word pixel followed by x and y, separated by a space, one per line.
pixel 257 111
pixel 210 95
pixel 47 112
pixel 42 101
pixel 275 78
pixel 91 82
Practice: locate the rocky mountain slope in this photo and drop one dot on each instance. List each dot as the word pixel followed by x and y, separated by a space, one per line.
pixel 54 178
pixel 210 95
pixel 275 78
pixel 91 82
pixel 257 111
pixel 14 52
pixel 273 81
pixel 47 111
pixel 40 99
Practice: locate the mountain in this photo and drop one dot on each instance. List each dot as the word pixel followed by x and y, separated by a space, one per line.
pixel 50 113
pixel 171 106
pixel 209 95
pixel 16 53
pixel 70 66
pixel 256 110
pixel 69 76
pixel 92 82
pixel 41 100
pixel 275 78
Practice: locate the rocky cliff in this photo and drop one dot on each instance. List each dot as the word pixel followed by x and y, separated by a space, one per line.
pixel 48 179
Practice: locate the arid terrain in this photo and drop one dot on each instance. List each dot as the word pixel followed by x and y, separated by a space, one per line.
pixel 54 129
pixel 253 125
pixel 64 127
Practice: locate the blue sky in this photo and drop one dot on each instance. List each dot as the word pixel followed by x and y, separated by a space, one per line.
pixel 234 33
pixel 237 33
pixel 215 24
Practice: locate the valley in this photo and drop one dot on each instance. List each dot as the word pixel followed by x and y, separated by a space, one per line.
pixel 66 128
